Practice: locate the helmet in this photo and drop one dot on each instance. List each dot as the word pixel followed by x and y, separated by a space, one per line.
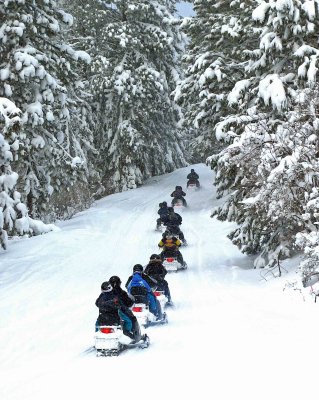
pixel 155 257
pixel 164 203
pixel 138 268
pixel 106 287
pixel 160 204
pixel 192 170
pixel 115 281
pixel 167 235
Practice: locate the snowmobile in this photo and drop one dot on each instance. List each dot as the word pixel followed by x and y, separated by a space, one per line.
pixel 142 312
pixel 179 203
pixel 172 265
pixel 163 300
pixel 110 341
pixel 193 185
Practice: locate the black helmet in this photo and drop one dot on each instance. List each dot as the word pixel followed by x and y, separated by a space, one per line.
pixel 155 257
pixel 192 170
pixel 164 203
pixel 167 234
pixel 138 268
pixel 106 287
pixel 115 281
pixel 160 204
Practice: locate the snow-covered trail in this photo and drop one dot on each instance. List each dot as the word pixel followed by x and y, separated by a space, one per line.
pixel 231 335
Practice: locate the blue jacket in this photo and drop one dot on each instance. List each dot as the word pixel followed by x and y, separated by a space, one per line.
pixel 137 280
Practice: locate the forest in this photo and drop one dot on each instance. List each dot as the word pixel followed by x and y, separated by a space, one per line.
pixel 96 98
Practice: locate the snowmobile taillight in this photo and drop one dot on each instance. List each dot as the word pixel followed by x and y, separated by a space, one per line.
pixel 137 309
pixel 107 330
pixel 157 293
pixel 170 259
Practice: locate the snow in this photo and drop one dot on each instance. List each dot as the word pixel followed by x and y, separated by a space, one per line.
pixel 8 111
pixel 270 40
pixel 285 5
pixel 76 161
pixel 312 70
pixel 4 74
pixel 38 141
pixel 240 87
pixel 83 56
pixel 271 89
pixel 232 334
pixel 66 17
pixel 310 9
pixel 259 13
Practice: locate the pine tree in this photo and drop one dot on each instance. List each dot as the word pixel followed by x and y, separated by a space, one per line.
pixel 214 62
pixel 271 142
pixel 14 217
pixel 135 47
pixel 36 73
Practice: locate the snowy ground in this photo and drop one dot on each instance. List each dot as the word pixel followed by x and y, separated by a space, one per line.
pixel 232 335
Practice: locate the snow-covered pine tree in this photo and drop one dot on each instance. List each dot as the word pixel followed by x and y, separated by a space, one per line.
pixel 36 74
pixel 136 47
pixel 214 62
pixel 308 239
pixel 262 171
pixel 14 217
pixel 9 117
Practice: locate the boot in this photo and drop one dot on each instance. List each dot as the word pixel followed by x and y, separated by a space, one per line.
pixel 136 331
pixel 128 333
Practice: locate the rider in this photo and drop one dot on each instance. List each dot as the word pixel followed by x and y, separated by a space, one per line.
pixel 178 195
pixel 170 246
pixel 172 223
pixel 149 280
pixel 130 325
pixel 108 305
pixel 163 213
pixel 193 178
pixel 156 269
pixel 137 281
pixel 173 218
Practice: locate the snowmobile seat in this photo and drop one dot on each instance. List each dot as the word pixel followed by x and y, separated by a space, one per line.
pixel 140 294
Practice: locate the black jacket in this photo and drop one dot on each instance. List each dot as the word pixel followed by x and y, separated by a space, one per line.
pixel 173 219
pixel 124 299
pixel 108 304
pixel 156 270
pixel 162 212
pixel 192 176
pixel 178 194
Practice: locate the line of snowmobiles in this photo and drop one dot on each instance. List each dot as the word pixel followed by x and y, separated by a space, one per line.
pixel 170 260
pixel 110 340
